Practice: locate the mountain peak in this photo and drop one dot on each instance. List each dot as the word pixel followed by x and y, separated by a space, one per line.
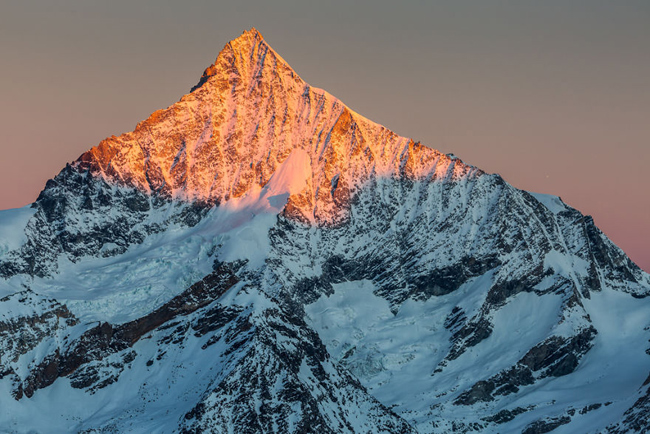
pixel 246 43
pixel 248 112
pixel 241 57
pixel 248 37
pixel 257 257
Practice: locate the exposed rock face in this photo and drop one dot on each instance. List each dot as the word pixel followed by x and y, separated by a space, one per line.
pixel 249 111
pixel 27 321
pixel 283 380
pixel 259 258
pixel 104 339
pixel 78 215
pixel 554 357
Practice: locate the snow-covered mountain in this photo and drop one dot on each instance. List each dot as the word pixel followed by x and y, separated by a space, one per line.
pixel 258 257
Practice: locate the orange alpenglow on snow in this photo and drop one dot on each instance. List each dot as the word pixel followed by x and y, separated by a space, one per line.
pixel 249 112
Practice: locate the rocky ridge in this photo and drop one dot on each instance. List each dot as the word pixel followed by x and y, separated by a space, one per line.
pixel 214 267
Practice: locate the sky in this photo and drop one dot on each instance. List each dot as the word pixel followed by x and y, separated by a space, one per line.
pixel 552 95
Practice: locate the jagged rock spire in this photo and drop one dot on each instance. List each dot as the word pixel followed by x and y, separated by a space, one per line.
pixel 242 47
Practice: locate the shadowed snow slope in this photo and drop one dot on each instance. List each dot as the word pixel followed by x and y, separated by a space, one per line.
pixel 258 258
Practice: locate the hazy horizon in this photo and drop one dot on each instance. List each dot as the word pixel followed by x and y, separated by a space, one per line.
pixel 553 96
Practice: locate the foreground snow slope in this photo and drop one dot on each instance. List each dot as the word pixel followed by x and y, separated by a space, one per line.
pixel 260 258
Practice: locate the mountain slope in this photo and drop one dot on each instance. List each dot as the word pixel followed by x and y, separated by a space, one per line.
pixel 259 258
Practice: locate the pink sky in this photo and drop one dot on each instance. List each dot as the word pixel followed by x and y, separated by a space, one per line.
pixel 553 96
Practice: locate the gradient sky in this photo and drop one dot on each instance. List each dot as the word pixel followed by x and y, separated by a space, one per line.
pixel 553 95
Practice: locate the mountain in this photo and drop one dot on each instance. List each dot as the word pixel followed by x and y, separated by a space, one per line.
pixel 258 257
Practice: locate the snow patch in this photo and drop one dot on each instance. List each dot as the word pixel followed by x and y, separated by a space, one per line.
pixel 244 222
pixel 12 228
pixel 553 203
